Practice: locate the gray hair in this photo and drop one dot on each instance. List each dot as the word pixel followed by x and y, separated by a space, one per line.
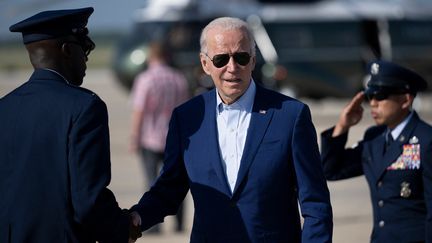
pixel 227 23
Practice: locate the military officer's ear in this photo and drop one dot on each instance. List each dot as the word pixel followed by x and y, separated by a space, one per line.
pixel 408 100
pixel 66 49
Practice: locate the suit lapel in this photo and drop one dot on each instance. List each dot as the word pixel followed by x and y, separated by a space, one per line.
pixel 211 147
pixel 395 150
pixel 260 119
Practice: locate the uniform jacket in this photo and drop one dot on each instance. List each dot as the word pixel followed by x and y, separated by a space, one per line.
pixel 280 166
pixel 400 180
pixel 55 165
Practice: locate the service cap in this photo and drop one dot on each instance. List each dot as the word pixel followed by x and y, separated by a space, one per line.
pixel 391 78
pixel 52 24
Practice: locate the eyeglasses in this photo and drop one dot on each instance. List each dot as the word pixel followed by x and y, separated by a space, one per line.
pixel 86 45
pixel 80 31
pixel 220 60
pixel 383 95
pixel 377 96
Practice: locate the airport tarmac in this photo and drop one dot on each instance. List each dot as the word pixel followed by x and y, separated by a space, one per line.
pixel 350 198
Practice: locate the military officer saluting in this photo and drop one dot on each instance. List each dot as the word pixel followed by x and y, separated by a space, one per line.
pixel 395 155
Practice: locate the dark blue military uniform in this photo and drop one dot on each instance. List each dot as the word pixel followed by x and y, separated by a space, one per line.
pixel 54 153
pixel 399 176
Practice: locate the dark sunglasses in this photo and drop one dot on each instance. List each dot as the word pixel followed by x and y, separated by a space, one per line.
pixel 377 96
pixel 80 31
pixel 220 60
pixel 383 95
pixel 86 45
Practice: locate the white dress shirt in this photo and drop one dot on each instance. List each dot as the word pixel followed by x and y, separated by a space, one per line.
pixel 232 124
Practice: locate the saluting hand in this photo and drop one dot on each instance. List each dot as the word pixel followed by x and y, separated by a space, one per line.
pixel 350 116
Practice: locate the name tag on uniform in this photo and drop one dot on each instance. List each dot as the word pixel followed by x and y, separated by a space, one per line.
pixel 410 157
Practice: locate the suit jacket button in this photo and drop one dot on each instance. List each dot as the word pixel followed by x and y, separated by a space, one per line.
pixel 381 203
pixel 381 223
pixel 233 204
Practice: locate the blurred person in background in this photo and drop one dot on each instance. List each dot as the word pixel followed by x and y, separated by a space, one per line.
pixel 249 155
pixel 156 92
pixel 54 142
pixel 395 155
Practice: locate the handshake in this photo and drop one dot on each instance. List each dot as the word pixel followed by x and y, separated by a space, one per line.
pixel 134 226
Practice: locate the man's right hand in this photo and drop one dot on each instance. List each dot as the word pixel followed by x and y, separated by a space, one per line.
pixel 134 227
pixel 350 116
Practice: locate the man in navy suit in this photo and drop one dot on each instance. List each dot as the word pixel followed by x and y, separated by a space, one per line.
pixel 395 155
pixel 248 155
pixel 54 142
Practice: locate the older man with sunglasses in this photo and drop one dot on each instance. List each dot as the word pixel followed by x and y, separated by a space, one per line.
pixel 247 154
pixel 395 155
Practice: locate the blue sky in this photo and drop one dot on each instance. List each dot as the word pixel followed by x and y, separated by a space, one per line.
pixel 109 15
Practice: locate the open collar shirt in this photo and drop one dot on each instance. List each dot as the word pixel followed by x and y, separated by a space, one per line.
pixel 232 124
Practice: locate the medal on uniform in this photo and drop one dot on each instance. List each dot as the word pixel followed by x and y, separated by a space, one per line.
pixel 405 191
pixel 410 157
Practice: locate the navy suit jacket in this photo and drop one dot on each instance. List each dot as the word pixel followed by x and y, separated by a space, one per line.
pixel 279 168
pixel 55 165
pixel 399 216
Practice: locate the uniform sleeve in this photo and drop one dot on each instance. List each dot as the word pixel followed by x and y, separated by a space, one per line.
pixel 314 195
pixel 338 162
pixel 94 205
